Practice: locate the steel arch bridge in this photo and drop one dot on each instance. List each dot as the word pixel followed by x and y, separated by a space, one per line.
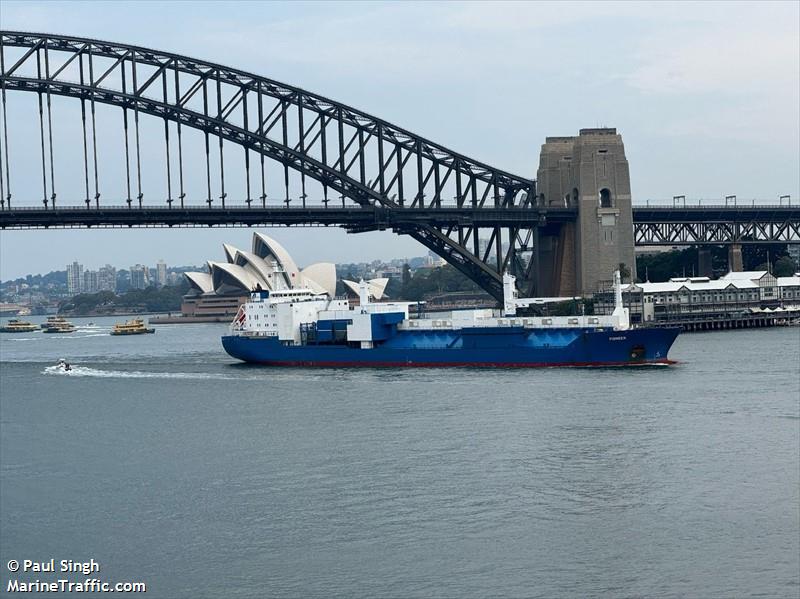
pixel 301 159
pixel 363 161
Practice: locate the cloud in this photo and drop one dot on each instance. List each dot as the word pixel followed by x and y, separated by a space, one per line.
pixel 733 62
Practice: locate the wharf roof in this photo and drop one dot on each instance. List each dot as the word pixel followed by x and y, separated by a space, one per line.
pixel 752 275
pixel 673 286
pixel 793 281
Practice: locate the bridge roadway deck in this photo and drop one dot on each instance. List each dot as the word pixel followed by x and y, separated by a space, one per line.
pixel 365 218
pixel 710 213
pixel 361 218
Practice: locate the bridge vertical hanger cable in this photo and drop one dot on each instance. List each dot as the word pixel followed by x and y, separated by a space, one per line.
pixel 324 142
pixel 208 159
pixel 94 132
pixel 302 144
pixel 340 123
pixel 221 155
pixel 362 176
pixel 420 182
pixel 166 138
pixel 50 126
pixel 6 198
pixel 381 179
pixel 400 200
pixel 83 124
pixel 261 154
pixel 2 175
pixel 437 186
pixel 249 200
pixel 285 129
pixel 140 195
pixel 128 200
pixel 2 178
pixel 41 127
pixel 180 140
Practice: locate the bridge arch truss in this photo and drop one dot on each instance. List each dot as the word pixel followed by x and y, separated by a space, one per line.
pixel 296 150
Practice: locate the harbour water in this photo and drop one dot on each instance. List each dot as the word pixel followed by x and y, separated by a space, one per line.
pixel 167 462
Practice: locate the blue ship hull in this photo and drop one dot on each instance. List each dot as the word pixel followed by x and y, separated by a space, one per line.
pixel 479 347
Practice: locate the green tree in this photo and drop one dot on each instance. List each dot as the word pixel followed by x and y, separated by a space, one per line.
pixel 784 267
pixel 624 272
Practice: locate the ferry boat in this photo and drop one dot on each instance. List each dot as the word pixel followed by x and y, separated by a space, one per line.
pixel 18 326
pixel 297 327
pixel 132 327
pixel 57 324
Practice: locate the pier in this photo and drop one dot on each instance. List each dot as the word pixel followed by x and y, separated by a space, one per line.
pixel 727 322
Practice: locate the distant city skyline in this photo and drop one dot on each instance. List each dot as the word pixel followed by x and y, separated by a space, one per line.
pixel 705 95
pixel 162 269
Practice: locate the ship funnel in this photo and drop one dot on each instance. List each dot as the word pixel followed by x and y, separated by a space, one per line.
pixel 363 292
pixel 509 294
pixel 617 290
pixel 620 315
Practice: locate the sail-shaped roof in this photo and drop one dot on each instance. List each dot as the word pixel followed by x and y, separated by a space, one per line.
pixel 268 249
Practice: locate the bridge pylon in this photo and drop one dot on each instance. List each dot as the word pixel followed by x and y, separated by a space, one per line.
pixel 588 172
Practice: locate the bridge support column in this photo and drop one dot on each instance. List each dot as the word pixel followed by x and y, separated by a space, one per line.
pixel 735 262
pixel 589 172
pixel 704 268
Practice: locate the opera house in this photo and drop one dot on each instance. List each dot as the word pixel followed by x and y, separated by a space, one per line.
pixel 217 294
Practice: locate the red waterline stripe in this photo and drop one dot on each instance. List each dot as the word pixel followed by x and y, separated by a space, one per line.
pixel 465 364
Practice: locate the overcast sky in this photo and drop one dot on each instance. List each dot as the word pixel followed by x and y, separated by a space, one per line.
pixel 705 95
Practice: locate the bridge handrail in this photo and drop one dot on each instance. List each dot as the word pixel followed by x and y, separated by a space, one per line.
pixel 244 206
pixel 700 204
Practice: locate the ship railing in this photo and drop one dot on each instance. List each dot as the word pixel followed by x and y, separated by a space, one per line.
pixel 524 322
pixel 258 334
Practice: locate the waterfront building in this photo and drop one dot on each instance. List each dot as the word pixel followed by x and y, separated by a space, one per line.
pixel 434 260
pixel 789 289
pixel 90 281
pixel 140 276
pixel 793 249
pixel 74 278
pixel 107 278
pixel 161 273
pixel 390 272
pixel 701 297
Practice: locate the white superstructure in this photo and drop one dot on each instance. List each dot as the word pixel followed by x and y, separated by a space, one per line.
pixel 290 313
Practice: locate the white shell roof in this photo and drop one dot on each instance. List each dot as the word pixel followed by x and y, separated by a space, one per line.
pixel 323 274
pixel 247 271
pixel 201 281
pixel 377 287
pixel 269 249
pixel 233 276
pixel 257 266
pixel 230 252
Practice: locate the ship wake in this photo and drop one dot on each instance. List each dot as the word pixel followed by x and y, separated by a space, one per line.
pixel 85 371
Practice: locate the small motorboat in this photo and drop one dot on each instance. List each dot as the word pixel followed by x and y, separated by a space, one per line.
pixel 63 365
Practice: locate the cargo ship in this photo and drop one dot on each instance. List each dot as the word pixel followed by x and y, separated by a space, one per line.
pixel 298 327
